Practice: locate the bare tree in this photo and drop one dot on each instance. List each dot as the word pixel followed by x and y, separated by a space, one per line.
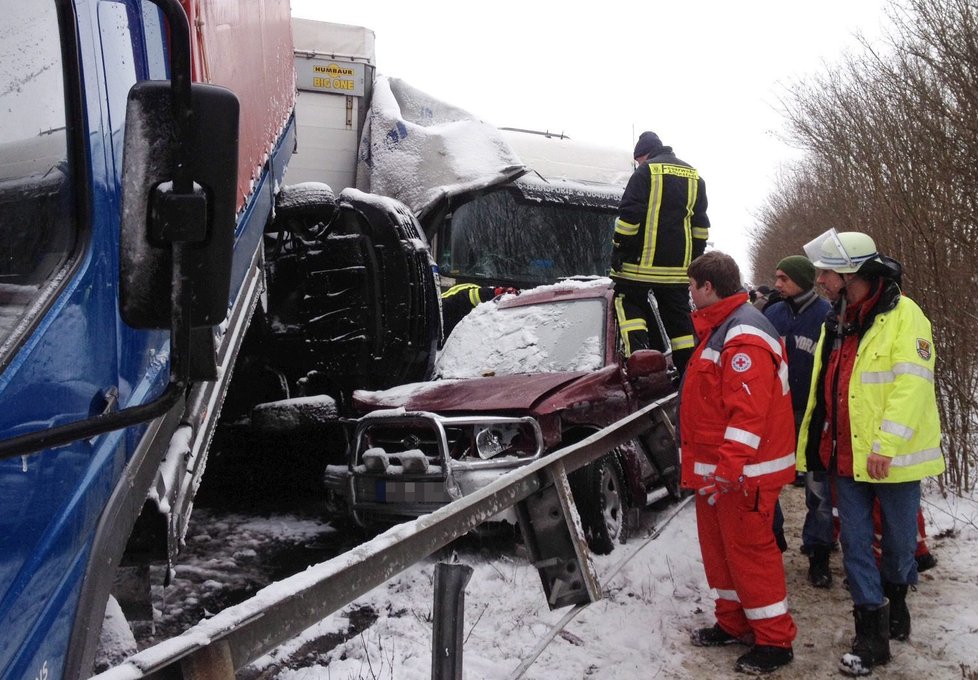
pixel 891 142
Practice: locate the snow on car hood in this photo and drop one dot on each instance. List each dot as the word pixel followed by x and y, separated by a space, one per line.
pixel 498 393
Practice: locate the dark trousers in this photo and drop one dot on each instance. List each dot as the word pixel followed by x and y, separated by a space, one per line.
pixel 637 322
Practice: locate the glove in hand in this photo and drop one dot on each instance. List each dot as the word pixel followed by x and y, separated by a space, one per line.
pixel 716 485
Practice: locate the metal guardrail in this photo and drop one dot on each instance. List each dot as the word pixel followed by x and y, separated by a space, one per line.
pixel 238 635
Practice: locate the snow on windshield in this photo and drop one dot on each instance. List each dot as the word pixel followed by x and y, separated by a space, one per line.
pixel 549 337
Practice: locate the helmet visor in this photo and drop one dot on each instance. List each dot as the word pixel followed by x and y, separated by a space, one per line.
pixel 827 251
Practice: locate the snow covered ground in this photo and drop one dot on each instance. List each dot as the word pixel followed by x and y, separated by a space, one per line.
pixel 654 593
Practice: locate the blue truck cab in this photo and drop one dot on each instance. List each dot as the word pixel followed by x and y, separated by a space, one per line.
pixel 130 265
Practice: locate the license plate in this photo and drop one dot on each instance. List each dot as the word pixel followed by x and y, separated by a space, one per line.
pixel 397 491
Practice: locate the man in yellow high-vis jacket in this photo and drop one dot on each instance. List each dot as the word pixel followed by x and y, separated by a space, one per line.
pixel 661 227
pixel 872 423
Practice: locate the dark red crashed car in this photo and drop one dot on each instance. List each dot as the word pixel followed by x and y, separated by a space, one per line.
pixel 519 377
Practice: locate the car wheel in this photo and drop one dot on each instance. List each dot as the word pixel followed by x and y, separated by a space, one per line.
pixel 599 491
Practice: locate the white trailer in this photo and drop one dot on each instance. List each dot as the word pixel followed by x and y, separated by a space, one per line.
pixel 334 73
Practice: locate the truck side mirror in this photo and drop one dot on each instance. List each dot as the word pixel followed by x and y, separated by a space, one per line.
pixel 154 216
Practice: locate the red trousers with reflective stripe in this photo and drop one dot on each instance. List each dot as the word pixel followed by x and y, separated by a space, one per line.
pixel 922 548
pixel 742 562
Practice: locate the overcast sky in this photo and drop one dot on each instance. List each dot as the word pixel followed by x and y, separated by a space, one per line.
pixel 706 75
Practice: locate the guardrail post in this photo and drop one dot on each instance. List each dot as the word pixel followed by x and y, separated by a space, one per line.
pixel 553 537
pixel 209 663
pixel 449 614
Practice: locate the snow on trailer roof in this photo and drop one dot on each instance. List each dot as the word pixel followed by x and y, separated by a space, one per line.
pixel 421 150
pixel 557 157
pixel 570 192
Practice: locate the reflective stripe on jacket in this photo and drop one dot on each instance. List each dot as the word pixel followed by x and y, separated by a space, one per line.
pixel 893 402
pixel 662 224
pixel 473 290
pixel 735 413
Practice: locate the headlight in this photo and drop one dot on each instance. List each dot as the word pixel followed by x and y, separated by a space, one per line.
pixel 510 438
pixel 488 443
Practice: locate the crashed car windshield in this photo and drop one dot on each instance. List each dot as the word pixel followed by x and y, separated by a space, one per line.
pixel 547 337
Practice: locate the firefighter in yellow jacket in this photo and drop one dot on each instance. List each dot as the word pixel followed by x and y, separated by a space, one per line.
pixel 872 423
pixel 661 227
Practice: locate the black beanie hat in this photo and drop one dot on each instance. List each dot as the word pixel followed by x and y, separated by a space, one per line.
pixel 799 269
pixel 648 143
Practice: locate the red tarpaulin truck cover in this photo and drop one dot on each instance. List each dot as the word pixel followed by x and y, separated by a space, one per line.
pixel 225 35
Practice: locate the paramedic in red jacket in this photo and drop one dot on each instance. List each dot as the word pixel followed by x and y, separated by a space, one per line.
pixel 738 450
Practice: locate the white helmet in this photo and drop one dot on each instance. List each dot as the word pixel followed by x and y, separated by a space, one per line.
pixel 843 253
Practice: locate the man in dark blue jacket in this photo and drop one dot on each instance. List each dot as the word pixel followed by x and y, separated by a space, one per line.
pixel 798 317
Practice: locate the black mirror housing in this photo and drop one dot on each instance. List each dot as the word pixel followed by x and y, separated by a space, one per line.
pixel 154 216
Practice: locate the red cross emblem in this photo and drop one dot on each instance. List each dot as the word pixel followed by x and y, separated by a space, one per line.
pixel 740 362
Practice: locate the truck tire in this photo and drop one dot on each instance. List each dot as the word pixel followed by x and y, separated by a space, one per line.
pixel 306 210
pixel 309 199
pixel 599 491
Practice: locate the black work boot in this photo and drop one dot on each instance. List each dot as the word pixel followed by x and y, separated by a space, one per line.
pixel 871 647
pixel 896 593
pixel 925 561
pixel 764 659
pixel 819 574
pixel 713 637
